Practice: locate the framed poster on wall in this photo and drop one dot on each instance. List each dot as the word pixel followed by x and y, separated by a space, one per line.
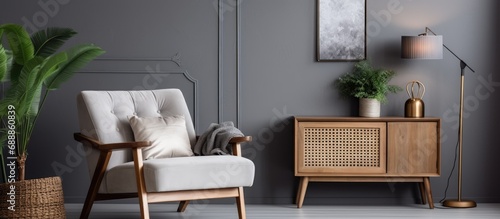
pixel 341 30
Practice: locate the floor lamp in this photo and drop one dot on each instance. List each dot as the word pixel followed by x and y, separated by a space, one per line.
pixel 426 46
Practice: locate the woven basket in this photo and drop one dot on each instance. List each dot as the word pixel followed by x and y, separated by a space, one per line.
pixel 35 198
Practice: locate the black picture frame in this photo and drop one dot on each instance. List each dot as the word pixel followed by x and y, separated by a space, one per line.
pixel 340 30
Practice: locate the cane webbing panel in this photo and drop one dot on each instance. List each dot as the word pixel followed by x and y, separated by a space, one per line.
pixel 342 147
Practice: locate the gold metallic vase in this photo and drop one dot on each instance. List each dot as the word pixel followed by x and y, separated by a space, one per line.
pixel 414 107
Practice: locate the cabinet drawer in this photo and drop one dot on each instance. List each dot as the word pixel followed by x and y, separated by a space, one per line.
pixel 339 148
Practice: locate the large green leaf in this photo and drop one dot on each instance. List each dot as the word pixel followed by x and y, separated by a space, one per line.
pixel 46 42
pixel 28 74
pixel 31 80
pixel 15 71
pixel 50 66
pixel 9 65
pixel 47 69
pixel 78 57
pixel 24 93
pixel 20 91
pixel 3 62
pixel 16 96
pixel 19 42
pixel 31 100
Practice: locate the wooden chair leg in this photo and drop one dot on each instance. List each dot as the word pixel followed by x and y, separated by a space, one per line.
pixel 87 206
pixel 182 206
pixel 144 207
pixel 141 186
pixel 240 201
pixel 100 169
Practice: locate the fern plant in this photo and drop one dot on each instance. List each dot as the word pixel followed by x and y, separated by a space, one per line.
pixel 367 82
pixel 33 67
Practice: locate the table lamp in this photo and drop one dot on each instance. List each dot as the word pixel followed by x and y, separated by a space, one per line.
pixel 426 46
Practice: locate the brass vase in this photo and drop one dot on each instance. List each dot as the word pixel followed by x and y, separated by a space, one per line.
pixel 414 107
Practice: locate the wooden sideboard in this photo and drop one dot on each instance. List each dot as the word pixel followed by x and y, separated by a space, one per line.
pixel 357 149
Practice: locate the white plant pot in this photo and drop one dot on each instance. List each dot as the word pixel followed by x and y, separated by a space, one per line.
pixel 369 107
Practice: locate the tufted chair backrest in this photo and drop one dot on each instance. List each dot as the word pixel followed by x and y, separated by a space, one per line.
pixel 103 115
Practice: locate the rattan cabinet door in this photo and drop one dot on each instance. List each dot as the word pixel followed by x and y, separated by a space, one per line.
pixel 340 148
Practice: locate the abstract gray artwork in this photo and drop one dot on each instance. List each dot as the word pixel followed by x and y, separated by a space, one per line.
pixel 341 30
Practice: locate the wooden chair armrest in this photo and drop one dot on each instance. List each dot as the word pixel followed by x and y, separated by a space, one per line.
pixel 236 144
pixel 236 140
pixel 106 147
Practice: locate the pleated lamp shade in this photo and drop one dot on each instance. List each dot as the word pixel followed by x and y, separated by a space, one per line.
pixel 422 47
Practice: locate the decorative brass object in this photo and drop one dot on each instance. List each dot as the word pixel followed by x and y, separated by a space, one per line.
pixel 414 107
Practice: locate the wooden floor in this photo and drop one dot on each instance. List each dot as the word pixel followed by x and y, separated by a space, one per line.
pixel 217 211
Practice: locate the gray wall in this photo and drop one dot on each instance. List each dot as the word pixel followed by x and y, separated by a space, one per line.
pixel 279 78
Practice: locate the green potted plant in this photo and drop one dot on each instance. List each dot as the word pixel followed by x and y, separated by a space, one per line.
pixel 369 84
pixel 32 67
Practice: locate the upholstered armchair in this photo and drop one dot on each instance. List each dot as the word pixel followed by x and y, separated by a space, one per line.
pixel 116 161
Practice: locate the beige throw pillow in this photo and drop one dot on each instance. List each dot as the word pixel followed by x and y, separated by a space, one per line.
pixel 168 136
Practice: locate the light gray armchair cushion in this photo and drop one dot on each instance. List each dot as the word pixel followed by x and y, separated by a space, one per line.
pixel 183 173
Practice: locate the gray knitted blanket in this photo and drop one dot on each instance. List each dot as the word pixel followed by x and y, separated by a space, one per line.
pixel 215 140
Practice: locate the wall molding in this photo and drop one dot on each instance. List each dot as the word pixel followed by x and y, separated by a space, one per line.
pixel 175 59
pixel 238 61
pixel 220 52
pixel 220 12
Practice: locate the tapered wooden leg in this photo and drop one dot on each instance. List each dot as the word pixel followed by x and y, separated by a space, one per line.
pixel 301 193
pixel 141 186
pixel 100 169
pixel 182 206
pixel 422 193
pixel 428 191
pixel 87 206
pixel 297 199
pixel 240 201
